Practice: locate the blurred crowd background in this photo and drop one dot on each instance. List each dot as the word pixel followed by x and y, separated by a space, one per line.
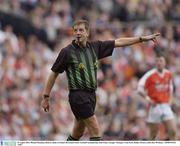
pixel 32 32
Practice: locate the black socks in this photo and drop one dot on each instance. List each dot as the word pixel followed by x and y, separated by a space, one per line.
pixel 70 138
pixel 95 139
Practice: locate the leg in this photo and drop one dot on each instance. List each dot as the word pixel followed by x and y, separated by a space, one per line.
pixel 78 130
pixel 153 128
pixel 83 106
pixel 171 129
pixel 93 127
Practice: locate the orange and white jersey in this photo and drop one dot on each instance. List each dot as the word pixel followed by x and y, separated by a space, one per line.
pixel 158 86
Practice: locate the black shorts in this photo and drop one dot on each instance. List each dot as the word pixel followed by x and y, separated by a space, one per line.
pixel 82 103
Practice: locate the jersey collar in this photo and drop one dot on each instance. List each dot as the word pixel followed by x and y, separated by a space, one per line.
pixel 77 46
pixel 161 73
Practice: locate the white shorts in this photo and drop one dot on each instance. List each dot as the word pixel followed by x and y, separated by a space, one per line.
pixel 160 113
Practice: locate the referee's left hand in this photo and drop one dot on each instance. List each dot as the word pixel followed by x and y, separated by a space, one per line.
pixel 150 37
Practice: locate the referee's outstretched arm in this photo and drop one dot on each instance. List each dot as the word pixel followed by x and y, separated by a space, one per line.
pixel 121 42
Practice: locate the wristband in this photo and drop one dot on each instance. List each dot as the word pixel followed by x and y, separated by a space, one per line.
pixel 46 96
pixel 140 39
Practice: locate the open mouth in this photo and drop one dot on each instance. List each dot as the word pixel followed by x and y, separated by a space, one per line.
pixel 78 38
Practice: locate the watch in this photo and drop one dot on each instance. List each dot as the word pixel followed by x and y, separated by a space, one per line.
pixel 140 39
pixel 46 96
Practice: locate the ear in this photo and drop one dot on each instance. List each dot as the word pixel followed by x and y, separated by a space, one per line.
pixel 88 33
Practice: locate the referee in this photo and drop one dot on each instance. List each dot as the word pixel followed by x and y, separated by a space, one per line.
pixel 79 60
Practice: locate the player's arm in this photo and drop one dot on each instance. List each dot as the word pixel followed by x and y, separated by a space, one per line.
pixel 141 89
pixel 142 93
pixel 48 86
pixel 121 42
pixel 171 93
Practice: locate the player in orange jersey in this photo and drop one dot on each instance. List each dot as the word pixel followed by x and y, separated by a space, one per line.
pixel 156 86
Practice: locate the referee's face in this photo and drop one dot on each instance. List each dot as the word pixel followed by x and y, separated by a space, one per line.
pixel 80 33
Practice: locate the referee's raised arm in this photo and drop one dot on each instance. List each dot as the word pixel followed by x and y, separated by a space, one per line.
pixel 121 42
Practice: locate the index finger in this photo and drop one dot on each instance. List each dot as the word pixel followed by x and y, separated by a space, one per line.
pixel 157 34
